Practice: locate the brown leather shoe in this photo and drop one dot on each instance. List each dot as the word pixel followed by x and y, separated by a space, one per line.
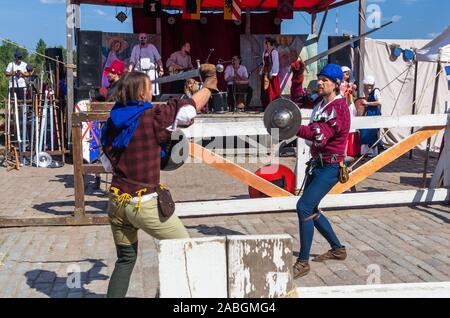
pixel 301 268
pixel 339 254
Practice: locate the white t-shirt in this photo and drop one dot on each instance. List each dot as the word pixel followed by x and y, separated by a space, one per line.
pixel 18 81
pixel 241 72
pixel 139 53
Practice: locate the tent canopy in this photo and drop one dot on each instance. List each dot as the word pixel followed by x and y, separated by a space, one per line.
pixel 436 50
pixel 299 5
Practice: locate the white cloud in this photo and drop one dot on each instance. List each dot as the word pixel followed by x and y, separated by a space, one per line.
pixel 52 1
pixel 100 12
pixel 376 1
pixel 396 18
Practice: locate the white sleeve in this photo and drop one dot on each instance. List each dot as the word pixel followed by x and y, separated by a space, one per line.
pixel 377 95
pixel 9 68
pixel 275 63
pixel 133 58
pixel 228 73
pixel 244 72
pixel 156 53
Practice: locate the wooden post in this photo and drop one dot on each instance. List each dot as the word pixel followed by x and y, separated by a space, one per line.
pixel 247 22
pixel 69 70
pixel 433 110
pixel 314 23
pixel 78 180
pixel 302 159
pixel 361 44
pixel 446 155
pixel 414 99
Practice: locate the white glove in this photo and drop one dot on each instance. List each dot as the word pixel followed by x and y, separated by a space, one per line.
pixel 184 117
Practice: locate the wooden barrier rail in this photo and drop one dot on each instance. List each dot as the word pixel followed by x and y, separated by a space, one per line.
pixel 100 112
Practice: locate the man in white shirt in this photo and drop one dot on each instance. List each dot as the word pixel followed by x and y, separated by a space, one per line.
pixel 146 58
pixel 17 71
pixel 236 76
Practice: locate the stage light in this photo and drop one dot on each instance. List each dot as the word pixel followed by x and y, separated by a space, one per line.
pixel 408 55
pixel 277 21
pixel 121 16
pixel 203 20
pixel 237 22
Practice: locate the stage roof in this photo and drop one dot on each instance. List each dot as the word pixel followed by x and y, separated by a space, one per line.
pixel 299 5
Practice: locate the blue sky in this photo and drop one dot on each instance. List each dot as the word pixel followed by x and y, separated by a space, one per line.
pixel 25 21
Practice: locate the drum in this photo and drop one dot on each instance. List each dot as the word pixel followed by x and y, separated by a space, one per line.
pixel 218 103
pixel 361 110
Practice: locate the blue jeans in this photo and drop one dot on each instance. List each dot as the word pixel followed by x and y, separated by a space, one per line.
pixel 317 185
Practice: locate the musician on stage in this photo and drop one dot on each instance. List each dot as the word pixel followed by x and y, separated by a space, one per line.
pixel 270 81
pixel 146 58
pixel 237 79
pixel 17 70
pixel 131 140
pixel 328 133
pixel 179 61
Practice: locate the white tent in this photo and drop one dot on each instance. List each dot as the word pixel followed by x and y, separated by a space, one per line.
pixel 396 78
pixel 436 50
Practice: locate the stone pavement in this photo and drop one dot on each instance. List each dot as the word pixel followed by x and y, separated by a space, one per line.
pixel 392 244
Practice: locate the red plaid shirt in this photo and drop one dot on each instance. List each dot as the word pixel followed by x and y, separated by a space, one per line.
pixel 140 161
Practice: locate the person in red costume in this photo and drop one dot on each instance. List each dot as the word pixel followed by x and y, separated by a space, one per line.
pixel 270 81
pixel 328 134
pixel 297 91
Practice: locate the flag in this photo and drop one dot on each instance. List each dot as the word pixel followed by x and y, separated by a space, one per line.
pixel 232 10
pixel 191 10
pixel 285 9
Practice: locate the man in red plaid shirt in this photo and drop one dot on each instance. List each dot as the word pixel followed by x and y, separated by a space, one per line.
pixel 131 140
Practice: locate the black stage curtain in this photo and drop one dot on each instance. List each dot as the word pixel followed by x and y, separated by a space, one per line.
pixel 221 35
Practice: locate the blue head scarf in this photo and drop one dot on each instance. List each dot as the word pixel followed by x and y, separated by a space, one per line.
pixel 333 72
pixel 124 118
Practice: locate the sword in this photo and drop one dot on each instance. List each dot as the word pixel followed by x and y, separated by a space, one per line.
pixel 183 76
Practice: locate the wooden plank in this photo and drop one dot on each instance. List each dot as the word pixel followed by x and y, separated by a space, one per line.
pixel 235 171
pixel 259 266
pixel 446 155
pixel 436 180
pixel 417 290
pixel 385 158
pixel 335 201
pixel 193 268
pixel 430 120
pixel 77 169
pixel 93 169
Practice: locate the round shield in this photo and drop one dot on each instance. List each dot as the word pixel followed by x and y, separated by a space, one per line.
pixel 282 119
pixel 174 152
pixel 44 160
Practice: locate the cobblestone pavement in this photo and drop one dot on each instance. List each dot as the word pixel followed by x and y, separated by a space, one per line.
pixel 403 244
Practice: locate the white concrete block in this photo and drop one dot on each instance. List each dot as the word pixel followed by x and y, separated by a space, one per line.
pixel 193 268
pixel 259 266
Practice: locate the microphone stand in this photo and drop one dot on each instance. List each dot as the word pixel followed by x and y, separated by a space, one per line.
pixel 209 55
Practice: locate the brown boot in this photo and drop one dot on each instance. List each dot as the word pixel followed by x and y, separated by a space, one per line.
pixel 340 254
pixel 301 268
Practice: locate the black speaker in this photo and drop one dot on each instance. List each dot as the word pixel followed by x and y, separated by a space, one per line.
pixel 89 59
pixel 82 93
pixel 56 54
pixel 343 57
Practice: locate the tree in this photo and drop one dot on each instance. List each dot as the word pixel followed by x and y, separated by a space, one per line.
pixel 40 48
